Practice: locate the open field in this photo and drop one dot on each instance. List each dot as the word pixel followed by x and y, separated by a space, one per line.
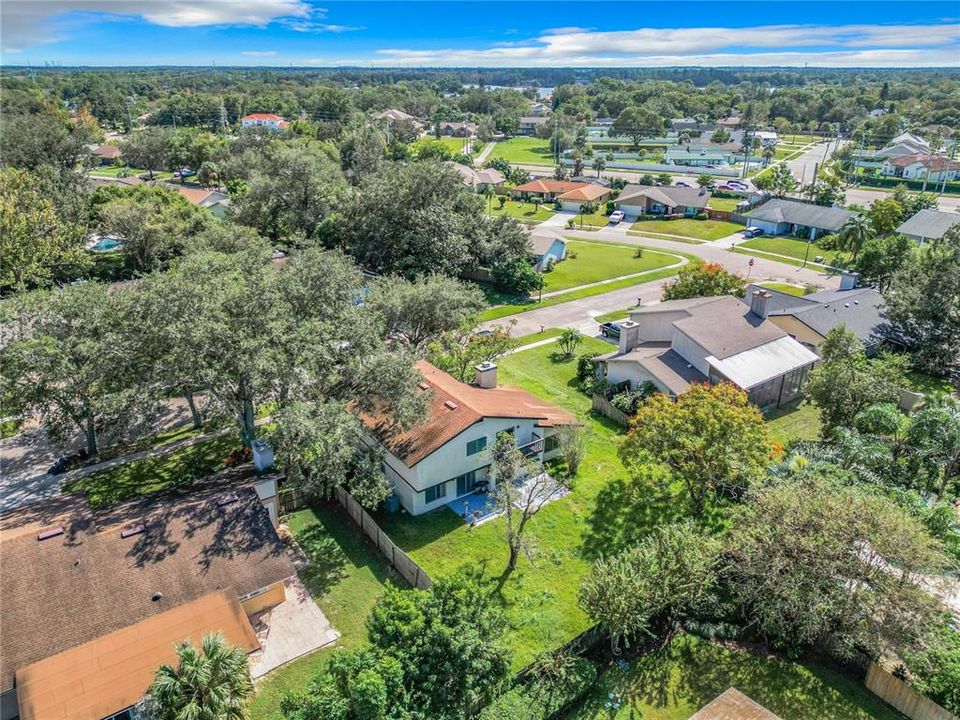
pixel 524 151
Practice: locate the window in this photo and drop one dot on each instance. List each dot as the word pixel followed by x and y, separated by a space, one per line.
pixel 432 494
pixel 478 445
pixel 551 443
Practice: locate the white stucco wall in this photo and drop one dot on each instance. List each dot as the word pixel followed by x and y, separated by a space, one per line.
pixel 619 371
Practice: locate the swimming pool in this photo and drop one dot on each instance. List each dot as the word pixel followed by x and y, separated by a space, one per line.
pixel 106 244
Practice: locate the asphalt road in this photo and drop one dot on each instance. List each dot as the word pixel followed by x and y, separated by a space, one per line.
pixel 581 313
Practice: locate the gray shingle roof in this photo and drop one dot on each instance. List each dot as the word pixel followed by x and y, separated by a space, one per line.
pixel 781 210
pixel 929 224
pixel 727 327
pixel 671 196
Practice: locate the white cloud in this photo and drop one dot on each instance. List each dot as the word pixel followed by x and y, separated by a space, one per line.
pixel 787 45
pixel 259 53
pixel 26 23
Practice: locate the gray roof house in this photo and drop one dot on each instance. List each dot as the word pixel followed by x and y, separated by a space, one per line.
pixel 477 179
pixel 548 246
pixel 710 339
pixel 781 216
pixel 651 199
pixel 808 319
pixel 928 225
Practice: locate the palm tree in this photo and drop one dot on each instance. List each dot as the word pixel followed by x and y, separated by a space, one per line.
pixel 599 164
pixel 768 154
pixel 488 193
pixel 705 180
pixel 209 683
pixel 854 233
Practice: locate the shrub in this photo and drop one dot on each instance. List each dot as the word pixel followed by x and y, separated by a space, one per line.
pixel 513 705
pixel 570 223
pixel 701 216
pixel 238 457
pixel 544 696
pixel 586 367
pixel 638 253
pixel 611 206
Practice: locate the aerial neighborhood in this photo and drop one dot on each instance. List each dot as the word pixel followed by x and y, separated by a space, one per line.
pixel 364 366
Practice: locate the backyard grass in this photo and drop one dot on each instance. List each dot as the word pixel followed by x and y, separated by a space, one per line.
pixel 520 210
pixel 921 382
pixel 507 306
pixel 696 229
pixel 113 171
pixel 600 261
pixel 346 577
pixel 524 151
pixel 453 144
pixel 151 474
pixel 791 247
pixel 540 598
pixel 797 421
pixel 679 679
pixel 725 204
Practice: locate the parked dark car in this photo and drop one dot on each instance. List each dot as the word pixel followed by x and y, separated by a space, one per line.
pixel 610 329
pixel 67 462
pixel 752 232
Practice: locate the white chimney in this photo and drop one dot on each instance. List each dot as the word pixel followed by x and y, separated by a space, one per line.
pixel 758 303
pixel 629 335
pixel 848 280
pixel 486 375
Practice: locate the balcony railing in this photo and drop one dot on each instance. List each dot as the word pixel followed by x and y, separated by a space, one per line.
pixel 532 448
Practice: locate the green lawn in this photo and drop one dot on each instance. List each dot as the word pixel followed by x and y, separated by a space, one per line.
pixel 679 679
pixel 346 577
pixel 798 421
pixel 725 204
pixel 599 219
pixel 921 382
pixel 540 598
pixel 114 171
pixel 155 473
pixel 600 261
pixel 686 227
pixel 513 306
pixel 533 337
pixel 615 315
pixel 785 288
pixel 453 144
pixel 520 210
pixel 794 248
pixel 524 150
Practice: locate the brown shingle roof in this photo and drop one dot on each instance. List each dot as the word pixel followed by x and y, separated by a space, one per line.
pixel 67 590
pixel 455 406
pixel 112 672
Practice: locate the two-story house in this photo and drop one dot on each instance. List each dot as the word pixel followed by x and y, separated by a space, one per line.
pixel 268 120
pixel 448 455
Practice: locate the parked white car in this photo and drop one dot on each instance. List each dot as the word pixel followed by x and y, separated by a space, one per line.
pixel 615 217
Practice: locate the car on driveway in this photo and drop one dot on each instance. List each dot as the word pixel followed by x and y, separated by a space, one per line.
pixel 615 217
pixel 610 329
pixel 752 232
pixel 682 184
pixel 728 188
pixel 739 184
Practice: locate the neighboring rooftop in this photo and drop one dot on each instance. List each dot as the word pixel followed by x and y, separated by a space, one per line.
pixel 929 224
pixel 727 327
pixel 454 407
pixel 542 239
pixel 394 115
pixel 548 185
pixel 262 116
pixel 472 178
pixel 781 210
pixel 671 196
pixel 107 152
pixel 664 364
pixel 85 580
pixel 732 704
pixel 588 192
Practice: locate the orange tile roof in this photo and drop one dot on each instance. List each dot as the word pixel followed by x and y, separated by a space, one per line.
pixel 470 405
pixel 194 195
pixel 262 116
pixel 935 163
pixel 112 672
pixel 546 185
pixel 586 193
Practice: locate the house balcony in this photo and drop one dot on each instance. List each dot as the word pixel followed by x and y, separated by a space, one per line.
pixel 534 448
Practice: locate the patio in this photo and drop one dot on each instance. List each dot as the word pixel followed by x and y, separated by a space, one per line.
pixel 290 630
pixel 478 508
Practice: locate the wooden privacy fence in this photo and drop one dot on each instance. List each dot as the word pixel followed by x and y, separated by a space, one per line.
pixel 718 214
pixel 605 407
pixel 408 569
pixel 904 698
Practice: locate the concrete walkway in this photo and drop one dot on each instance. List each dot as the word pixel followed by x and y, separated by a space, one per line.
pixel 484 154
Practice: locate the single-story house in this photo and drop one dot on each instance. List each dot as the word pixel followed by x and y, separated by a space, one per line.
pixel 548 246
pixel 635 200
pixel 215 201
pixel 547 189
pixel 458 129
pixel 478 180
pixel 730 122
pixel 780 216
pixel 928 225
pixel 538 109
pixel 106 154
pixel 529 124
pixel 267 120
pixel 591 179
pixel 808 319
pixel 95 601
pixel 920 166
pixel 447 455
pixel 710 339
pixel 583 195
pixel 691 156
pixel 394 115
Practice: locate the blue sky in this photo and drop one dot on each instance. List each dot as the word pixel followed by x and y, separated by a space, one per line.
pixel 474 34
